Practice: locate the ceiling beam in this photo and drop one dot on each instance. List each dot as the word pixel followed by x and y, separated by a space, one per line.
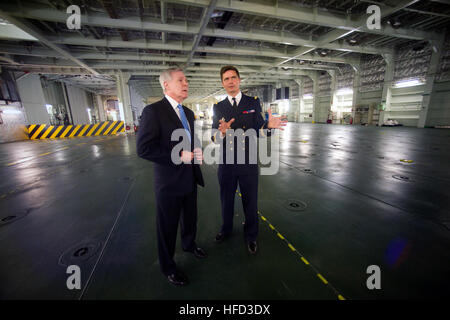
pixel 204 22
pixel 37 34
pixel 315 16
pixel 36 12
pixel 109 7
pixel 330 37
pixel 94 54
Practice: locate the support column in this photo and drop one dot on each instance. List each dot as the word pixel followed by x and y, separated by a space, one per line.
pixel 123 94
pixel 300 99
pixel 333 76
pixel 388 78
pixel 357 68
pixel 437 46
pixel 315 79
pixel 101 109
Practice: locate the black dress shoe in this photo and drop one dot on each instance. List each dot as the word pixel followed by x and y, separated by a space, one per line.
pixel 252 247
pixel 219 238
pixel 177 279
pixel 199 253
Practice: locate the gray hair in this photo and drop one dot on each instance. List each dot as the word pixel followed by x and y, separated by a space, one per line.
pixel 166 75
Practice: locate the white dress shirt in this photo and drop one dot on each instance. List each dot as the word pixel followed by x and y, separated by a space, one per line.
pixel 174 105
pixel 238 98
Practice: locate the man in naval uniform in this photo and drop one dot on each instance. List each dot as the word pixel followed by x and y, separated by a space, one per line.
pixel 239 164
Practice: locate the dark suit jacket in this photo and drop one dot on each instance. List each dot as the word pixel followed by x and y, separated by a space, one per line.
pixel 158 121
pixel 247 116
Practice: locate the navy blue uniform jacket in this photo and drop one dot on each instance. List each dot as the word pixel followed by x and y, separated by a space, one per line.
pixel 247 116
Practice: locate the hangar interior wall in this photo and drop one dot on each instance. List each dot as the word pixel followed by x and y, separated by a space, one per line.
pixel 41 102
pixel 33 99
pixel 403 104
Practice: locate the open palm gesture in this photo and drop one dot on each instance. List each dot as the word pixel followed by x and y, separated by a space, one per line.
pixel 224 125
pixel 276 122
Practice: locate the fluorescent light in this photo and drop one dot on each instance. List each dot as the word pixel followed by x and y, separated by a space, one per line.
pixel 344 91
pixel 121 112
pixel 89 114
pixel 308 96
pixel 408 83
pixel 11 111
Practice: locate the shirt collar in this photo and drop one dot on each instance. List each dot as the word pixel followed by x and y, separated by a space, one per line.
pixel 172 102
pixel 238 98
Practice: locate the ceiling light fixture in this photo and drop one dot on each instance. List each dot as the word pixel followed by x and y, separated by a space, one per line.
pixel 408 83
pixel 395 23
pixel 352 41
pixel 344 91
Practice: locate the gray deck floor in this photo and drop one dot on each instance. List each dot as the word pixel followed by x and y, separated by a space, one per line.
pixel 57 196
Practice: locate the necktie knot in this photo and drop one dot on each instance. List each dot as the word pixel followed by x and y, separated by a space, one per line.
pixel 234 102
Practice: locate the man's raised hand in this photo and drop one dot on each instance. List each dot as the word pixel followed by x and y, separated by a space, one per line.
pixel 224 126
pixel 276 122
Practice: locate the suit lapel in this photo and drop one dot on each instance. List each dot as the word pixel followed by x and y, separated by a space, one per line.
pixel 172 114
pixel 176 120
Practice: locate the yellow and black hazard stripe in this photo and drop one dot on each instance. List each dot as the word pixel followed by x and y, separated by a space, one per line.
pixel 302 258
pixel 45 131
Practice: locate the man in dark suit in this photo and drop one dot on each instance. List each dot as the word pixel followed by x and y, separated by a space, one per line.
pixel 177 173
pixel 243 115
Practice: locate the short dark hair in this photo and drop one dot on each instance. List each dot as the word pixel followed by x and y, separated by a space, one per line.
pixel 228 68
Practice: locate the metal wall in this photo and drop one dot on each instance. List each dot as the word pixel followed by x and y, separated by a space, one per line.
pixel 443 73
pixel 12 122
pixel 345 78
pixel 54 95
pixel 373 69
pixel 439 112
pixel 412 62
pixel 79 103
pixel 32 98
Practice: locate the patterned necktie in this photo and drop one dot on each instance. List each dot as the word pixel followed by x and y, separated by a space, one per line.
pixel 234 103
pixel 184 121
